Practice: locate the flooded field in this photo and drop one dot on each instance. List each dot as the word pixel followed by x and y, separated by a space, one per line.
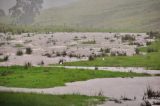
pixel 114 88
pixel 67 47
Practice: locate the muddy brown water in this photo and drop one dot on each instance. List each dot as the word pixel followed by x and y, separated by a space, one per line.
pixel 116 69
pixel 110 87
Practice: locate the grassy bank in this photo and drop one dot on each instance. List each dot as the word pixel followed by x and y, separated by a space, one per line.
pixel 41 77
pixel 151 60
pixel 21 99
pixel 18 29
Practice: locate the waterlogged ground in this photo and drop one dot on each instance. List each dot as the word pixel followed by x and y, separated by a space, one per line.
pixel 70 47
pixel 50 48
pixel 132 88
pixel 115 69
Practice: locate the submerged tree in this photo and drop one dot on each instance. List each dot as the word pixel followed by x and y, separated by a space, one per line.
pixel 25 10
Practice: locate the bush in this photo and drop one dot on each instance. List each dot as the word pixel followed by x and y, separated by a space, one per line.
pixel 64 53
pixel 89 42
pixel 101 50
pixel 5 58
pixel 107 50
pixel 42 63
pixel 153 35
pixel 19 53
pixel 121 54
pixel 90 58
pixel 95 68
pixel 128 38
pixel 146 103
pixel 58 54
pixel 27 65
pixel 48 55
pixel 149 50
pixel 28 50
pixel 150 93
pixel 148 43
pixel 113 54
pixel 137 51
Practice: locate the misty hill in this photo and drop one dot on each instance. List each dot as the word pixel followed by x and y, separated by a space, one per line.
pixel 119 15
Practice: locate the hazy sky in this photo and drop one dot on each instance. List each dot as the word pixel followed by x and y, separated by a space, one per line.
pixel 6 4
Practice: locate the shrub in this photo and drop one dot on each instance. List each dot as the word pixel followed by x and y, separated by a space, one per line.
pixel 42 63
pixel 128 38
pixel 153 34
pixel 18 45
pixel 61 61
pixel 146 103
pixel 150 93
pixel 100 93
pixel 148 43
pixel 48 55
pixel 28 50
pixel 83 37
pixel 64 53
pixel 101 50
pixel 149 50
pixel 156 102
pixel 89 42
pixel 19 53
pixel 28 35
pixel 27 65
pixel 90 58
pixel 1 44
pixel 71 55
pixel 95 68
pixel 5 58
pixel 137 51
pixel 58 54
pixel 113 54
pixel 121 54
pixel 124 98
pixel 107 50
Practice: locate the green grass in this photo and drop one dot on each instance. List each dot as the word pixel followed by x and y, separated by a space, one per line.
pixel 42 77
pixel 89 42
pixel 150 61
pixel 19 45
pixel 21 99
pixel 154 45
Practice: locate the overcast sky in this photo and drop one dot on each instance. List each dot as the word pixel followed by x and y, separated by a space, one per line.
pixel 6 4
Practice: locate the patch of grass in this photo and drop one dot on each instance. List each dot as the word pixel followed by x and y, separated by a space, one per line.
pixel 19 45
pixel 154 45
pixel 44 77
pixel 150 60
pixel 22 99
pixel 89 42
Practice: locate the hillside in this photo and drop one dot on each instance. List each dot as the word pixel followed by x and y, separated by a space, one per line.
pixel 114 15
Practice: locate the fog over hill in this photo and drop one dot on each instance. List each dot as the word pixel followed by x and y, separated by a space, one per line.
pixel 6 4
pixel 119 15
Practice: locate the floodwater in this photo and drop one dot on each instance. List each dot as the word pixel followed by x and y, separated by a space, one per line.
pixel 119 69
pixel 132 88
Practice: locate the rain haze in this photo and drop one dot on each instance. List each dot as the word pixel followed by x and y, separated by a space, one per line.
pixel 6 4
